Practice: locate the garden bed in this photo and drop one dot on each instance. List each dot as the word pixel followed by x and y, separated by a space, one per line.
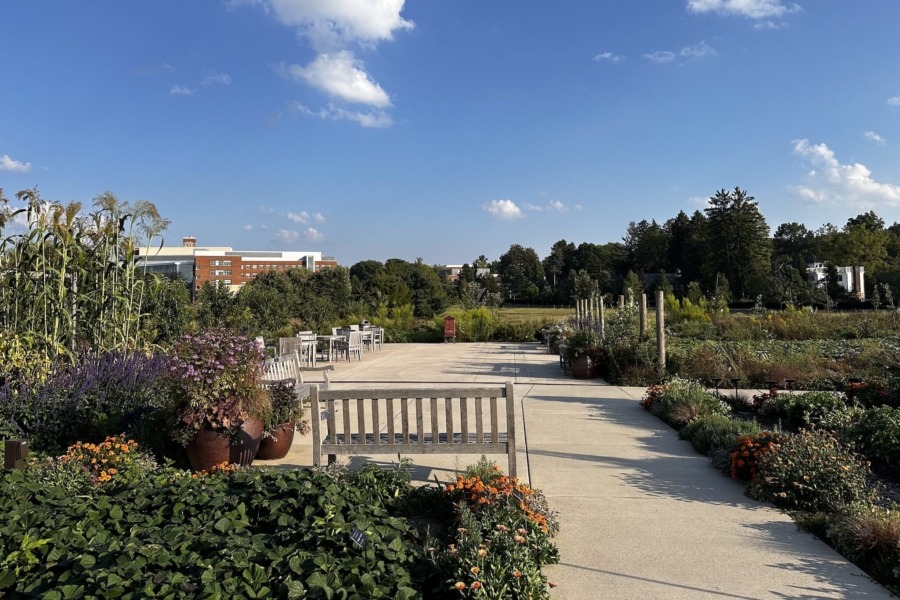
pixel 831 460
pixel 141 530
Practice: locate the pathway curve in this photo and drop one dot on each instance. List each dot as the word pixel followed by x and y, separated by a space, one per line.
pixel 643 515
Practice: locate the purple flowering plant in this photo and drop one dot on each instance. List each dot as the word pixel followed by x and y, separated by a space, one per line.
pixel 215 380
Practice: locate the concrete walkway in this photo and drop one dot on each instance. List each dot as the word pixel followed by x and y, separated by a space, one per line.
pixel 643 515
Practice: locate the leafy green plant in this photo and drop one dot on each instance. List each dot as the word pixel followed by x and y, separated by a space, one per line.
pixel 679 401
pixel 810 471
pixel 287 407
pixel 716 432
pixel 874 432
pixel 581 343
pixel 801 409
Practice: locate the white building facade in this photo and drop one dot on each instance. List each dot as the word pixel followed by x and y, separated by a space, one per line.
pixel 851 279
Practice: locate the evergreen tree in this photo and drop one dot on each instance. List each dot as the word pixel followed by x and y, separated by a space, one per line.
pixel 739 245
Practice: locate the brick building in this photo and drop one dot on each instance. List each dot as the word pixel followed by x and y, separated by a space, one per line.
pixel 197 265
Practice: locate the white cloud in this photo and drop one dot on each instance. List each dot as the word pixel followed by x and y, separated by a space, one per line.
pixel 873 137
pixel 660 56
pixel 754 9
pixel 557 206
pixel 333 24
pixel 313 236
pixel 318 218
pixel 766 25
pixel 578 207
pixel 535 207
pixel 375 119
pixel 895 101
pixel 8 164
pixel 180 90
pixel 698 51
pixel 837 183
pixel 342 75
pixel 698 200
pixel 287 236
pixel 610 57
pixel 505 210
pixel 255 228
pixel 302 218
pixel 215 77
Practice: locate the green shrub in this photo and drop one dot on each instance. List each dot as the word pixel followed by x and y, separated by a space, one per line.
pixel 716 432
pixel 869 536
pixel 258 533
pixel 810 471
pixel 798 410
pixel 679 401
pixel 874 432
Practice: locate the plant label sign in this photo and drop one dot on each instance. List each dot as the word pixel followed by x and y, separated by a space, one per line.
pixel 359 537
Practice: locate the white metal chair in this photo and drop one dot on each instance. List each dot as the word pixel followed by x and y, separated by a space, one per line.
pixel 378 338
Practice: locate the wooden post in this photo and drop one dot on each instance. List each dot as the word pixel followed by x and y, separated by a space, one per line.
pixel 14 454
pixel 621 301
pixel 661 330
pixel 602 319
pixel 643 315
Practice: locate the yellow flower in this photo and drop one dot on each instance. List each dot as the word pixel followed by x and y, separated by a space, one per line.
pixel 460 585
pixel 475 570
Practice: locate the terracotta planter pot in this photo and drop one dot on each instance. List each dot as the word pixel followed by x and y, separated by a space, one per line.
pixel 270 449
pixel 246 445
pixel 207 450
pixel 583 367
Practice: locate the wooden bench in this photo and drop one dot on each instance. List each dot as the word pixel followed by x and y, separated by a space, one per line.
pixel 367 436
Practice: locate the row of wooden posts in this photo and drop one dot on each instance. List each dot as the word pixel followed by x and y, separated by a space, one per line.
pixel 592 311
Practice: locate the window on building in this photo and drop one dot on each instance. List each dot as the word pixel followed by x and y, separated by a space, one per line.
pixel 220 272
pixel 220 263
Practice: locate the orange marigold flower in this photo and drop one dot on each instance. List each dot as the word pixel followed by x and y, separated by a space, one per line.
pixel 460 585
pixel 475 570
pixel 476 585
pixel 482 553
pixel 517 574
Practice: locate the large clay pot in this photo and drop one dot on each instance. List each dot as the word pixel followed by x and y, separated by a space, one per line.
pixel 583 367
pixel 207 450
pixel 270 449
pixel 246 445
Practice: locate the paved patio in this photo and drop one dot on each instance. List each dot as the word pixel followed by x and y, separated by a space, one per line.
pixel 643 515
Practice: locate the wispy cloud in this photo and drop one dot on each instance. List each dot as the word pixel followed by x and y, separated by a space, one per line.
pixel 302 217
pixel 180 90
pixel 873 137
pixel 837 183
pixel 533 207
pixel 660 56
pixel 614 58
pixel 214 77
pixel 557 206
pixel 698 51
pixel 9 164
pixel 754 9
pixel 156 70
pixel 287 236
pixel 318 218
pixel 698 201
pixel 255 227
pixel 313 236
pixel 377 119
pixel 766 25
pixel 895 101
pixel 505 210
pixel 578 207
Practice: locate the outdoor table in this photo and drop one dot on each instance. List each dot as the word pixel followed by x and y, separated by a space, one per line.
pixel 331 339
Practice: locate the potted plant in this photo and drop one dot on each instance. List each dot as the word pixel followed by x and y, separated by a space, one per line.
pixel 581 351
pixel 283 421
pixel 218 404
pixel 558 334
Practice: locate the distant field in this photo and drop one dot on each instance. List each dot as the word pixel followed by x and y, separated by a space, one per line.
pixel 524 315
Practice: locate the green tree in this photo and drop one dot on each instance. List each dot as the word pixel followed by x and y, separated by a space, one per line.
pixel 739 243
pixel 520 271
pixel 632 287
pixel 793 243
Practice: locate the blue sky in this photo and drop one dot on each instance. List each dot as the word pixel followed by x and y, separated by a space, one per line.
pixel 449 129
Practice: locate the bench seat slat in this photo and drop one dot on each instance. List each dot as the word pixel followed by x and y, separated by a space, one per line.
pixel 475 392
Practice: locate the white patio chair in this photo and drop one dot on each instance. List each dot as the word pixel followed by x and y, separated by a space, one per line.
pixel 352 345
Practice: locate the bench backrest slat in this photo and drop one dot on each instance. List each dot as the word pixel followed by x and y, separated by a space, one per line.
pixel 361 420
pixel 464 420
pixel 479 424
pixel 404 419
pixel 332 429
pixel 495 436
pixel 390 420
pixel 345 406
pixel 376 425
pixel 435 432
pixel 448 419
pixel 420 425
